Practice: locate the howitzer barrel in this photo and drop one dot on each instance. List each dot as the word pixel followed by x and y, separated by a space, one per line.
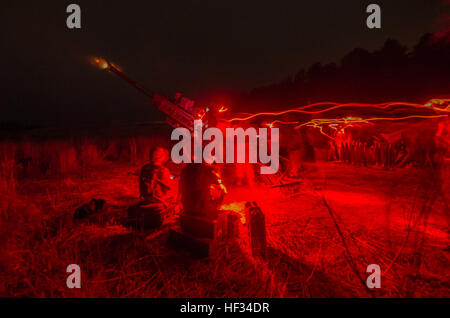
pixel 181 114
pixel 113 69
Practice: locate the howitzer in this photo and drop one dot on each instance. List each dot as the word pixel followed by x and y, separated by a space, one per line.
pixel 180 113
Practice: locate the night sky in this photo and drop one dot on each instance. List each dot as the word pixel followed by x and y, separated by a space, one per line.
pixel 196 47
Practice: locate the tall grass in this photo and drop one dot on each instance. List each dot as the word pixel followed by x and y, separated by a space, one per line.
pixel 37 159
pixel 7 168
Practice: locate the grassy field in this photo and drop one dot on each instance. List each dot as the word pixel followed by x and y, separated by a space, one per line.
pixel 397 219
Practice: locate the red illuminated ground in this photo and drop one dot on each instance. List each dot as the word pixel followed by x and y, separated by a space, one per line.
pixel 389 218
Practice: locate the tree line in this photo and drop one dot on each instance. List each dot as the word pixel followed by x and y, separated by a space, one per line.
pixel 391 73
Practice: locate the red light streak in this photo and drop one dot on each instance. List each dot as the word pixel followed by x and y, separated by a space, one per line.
pixel 222 109
pixel 438 106
pixel 333 106
pixel 332 123
pixel 272 124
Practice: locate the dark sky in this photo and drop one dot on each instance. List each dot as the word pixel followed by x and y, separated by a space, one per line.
pixel 195 47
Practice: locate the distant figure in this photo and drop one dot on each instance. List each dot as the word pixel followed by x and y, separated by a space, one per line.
pixel 245 174
pixel 332 151
pixel 157 192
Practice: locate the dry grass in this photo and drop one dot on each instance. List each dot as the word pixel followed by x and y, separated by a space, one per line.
pixel 40 239
pixel 305 259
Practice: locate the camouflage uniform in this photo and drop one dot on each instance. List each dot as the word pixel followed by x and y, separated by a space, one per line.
pixel 157 194
pixel 155 184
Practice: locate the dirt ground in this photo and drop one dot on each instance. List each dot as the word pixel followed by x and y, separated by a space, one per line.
pixel 322 232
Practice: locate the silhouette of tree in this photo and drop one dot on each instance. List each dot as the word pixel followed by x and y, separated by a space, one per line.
pixel 390 73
